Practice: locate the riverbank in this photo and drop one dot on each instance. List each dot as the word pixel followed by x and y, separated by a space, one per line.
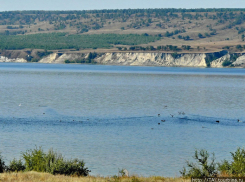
pixel 45 177
pixel 213 60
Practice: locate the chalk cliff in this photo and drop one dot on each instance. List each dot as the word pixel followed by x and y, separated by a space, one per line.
pixel 240 61
pixel 152 59
pixel 141 59
pixel 217 63
pixel 50 59
pixel 16 60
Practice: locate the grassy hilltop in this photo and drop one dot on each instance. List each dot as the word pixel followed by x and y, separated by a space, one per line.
pixel 166 30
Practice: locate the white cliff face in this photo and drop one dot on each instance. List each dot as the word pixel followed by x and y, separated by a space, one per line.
pixel 240 61
pixel 20 60
pixel 153 59
pixel 191 60
pixel 49 59
pixel 17 60
pixel 218 62
pixel 55 58
pixel 139 59
pixel 70 57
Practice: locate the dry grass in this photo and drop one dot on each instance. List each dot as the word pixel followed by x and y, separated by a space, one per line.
pixel 45 177
pixel 223 37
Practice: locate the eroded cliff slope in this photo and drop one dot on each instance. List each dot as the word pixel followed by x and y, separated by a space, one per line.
pixel 215 60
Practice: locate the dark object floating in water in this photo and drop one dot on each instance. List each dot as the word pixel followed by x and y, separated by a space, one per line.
pixel 158 123
pixel 43 113
pixel 158 115
pixel 163 120
pixel 42 106
pixel 217 121
pixel 239 121
pixel 172 115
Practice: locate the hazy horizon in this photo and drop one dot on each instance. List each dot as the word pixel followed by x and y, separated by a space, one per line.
pixel 112 4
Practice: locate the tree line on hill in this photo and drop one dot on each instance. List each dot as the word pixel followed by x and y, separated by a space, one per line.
pixel 54 41
pixel 158 48
pixel 87 20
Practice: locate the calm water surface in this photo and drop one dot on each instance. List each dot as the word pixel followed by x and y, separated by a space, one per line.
pixel 108 115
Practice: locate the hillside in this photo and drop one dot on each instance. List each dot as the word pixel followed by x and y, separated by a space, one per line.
pixel 168 30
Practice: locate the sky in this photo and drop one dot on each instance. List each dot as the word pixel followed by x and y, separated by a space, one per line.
pixel 9 5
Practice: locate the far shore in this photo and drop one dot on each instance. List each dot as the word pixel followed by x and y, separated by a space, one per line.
pixel 238 67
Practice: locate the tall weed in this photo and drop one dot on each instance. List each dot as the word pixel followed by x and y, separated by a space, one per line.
pixel 203 166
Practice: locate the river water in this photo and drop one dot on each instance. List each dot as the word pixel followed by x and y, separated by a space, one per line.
pixel 108 115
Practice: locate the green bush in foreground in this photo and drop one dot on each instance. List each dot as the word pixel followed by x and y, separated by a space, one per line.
pixel 16 166
pixel 35 160
pixel 206 167
pixel 203 168
pixel 52 162
pixel 56 164
pixel 2 164
pixel 237 166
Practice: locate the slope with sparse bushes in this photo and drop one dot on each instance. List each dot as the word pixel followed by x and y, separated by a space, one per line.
pixel 205 30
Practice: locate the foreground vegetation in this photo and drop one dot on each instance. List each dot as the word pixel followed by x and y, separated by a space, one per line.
pixel 206 166
pixel 45 177
pixel 51 166
pixel 51 162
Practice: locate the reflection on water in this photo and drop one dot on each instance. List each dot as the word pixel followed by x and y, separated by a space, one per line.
pixel 108 115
